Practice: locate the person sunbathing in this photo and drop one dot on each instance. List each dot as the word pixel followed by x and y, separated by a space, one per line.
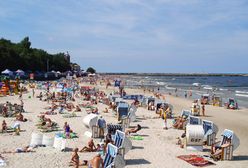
pixel 75 158
pixel 78 109
pixel 49 123
pixel 151 106
pixel 25 149
pixel 20 117
pixel 5 111
pixel 43 118
pixel 105 110
pixel 95 110
pixel 54 106
pixel 179 123
pixel 90 148
pixel 49 112
pixel 217 150
pixel 69 107
pixel 133 130
pixel 96 162
pixel 4 126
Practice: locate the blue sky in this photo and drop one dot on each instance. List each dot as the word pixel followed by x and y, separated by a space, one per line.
pixel 135 35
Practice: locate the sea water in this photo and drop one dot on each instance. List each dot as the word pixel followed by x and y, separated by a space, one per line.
pixel 224 86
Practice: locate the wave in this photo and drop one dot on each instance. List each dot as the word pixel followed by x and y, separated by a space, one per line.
pixel 170 88
pixel 160 83
pixel 207 87
pixel 242 92
pixel 242 95
pixel 196 84
pixel 221 89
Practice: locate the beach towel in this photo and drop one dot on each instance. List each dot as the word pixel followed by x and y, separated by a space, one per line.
pixel 196 160
pixel 48 129
pixel 72 135
pixel 137 137
pixel 69 115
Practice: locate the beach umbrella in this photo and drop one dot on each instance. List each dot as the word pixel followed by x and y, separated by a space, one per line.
pixel 7 72
pixel 20 72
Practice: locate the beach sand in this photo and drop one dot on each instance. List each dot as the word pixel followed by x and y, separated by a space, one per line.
pixel 157 150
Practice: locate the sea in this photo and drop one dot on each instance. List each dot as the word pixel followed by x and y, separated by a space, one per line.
pixel 224 86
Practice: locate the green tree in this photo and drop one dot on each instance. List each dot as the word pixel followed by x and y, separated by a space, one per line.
pixel 21 56
pixel 91 70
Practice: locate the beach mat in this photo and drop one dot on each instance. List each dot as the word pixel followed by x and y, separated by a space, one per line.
pixel 137 137
pixel 196 160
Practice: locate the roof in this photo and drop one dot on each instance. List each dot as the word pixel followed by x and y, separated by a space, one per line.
pixel 123 105
pixel 227 133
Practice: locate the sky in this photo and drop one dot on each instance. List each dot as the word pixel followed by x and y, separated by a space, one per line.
pixel 162 36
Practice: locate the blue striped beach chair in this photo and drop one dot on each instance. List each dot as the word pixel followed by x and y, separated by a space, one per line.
pixel 227 151
pixel 110 156
pixel 186 113
pixel 209 132
pixel 119 138
pixel 194 120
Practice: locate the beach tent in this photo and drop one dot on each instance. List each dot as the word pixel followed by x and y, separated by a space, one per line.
pixel 7 72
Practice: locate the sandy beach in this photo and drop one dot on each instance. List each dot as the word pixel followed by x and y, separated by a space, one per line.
pixel 157 150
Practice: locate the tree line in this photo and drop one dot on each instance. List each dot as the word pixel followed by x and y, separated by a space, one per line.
pixel 20 55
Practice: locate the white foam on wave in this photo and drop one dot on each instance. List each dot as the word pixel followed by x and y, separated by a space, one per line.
pixel 208 88
pixel 160 83
pixel 196 84
pixel 170 88
pixel 221 89
pixel 242 92
pixel 242 95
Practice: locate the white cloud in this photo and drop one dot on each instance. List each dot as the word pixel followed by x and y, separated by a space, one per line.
pixel 131 28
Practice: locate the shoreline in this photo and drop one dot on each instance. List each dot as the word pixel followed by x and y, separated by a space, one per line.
pixel 174 74
pixel 158 149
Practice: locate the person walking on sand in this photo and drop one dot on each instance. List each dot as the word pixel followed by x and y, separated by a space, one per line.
pixel 185 94
pixel 33 92
pixel 164 117
pixel 102 125
pixel 203 110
